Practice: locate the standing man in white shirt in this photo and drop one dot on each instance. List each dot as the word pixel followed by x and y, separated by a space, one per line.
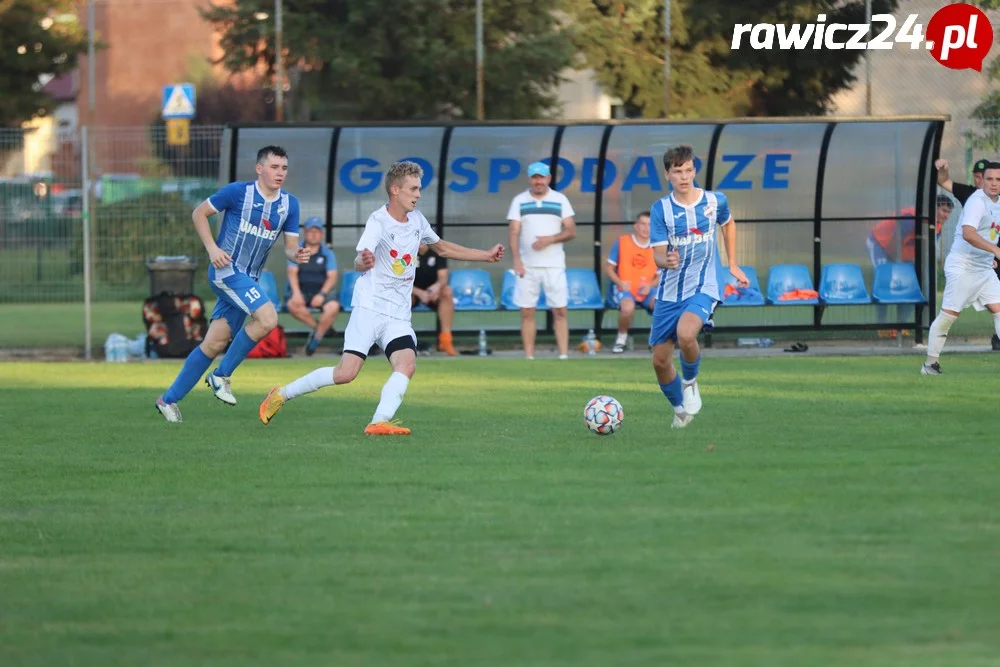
pixel 541 220
pixel 969 274
pixel 382 300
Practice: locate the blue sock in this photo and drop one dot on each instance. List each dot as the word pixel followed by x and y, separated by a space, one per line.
pixel 237 352
pixel 690 370
pixel 672 390
pixel 194 366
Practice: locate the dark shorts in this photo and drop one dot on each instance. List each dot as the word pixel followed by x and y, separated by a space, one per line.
pixel 308 296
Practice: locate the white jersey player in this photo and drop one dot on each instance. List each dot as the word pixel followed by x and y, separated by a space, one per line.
pixel 968 270
pixel 382 300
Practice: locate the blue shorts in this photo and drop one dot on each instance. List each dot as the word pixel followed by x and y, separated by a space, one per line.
pixel 617 295
pixel 667 315
pixel 239 296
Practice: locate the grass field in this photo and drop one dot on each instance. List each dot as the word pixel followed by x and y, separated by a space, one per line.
pixel 52 325
pixel 820 511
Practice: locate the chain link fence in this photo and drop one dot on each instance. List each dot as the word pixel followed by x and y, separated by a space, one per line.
pixel 141 196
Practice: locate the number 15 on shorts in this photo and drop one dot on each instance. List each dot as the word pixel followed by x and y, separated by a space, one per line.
pixel 252 294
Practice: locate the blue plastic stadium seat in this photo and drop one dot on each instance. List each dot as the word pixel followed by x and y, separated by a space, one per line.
pixel 584 290
pixel 897 283
pixel 507 293
pixel 843 284
pixel 472 289
pixel 347 289
pixel 270 287
pixel 783 278
pixel 751 295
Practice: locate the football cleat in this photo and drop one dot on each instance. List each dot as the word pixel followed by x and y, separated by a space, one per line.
pixel 170 411
pixel 681 419
pixel 221 388
pixel 394 427
pixel 271 405
pixel 931 369
pixel 692 397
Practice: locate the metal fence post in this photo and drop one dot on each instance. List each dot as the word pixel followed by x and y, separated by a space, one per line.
pixel 87 274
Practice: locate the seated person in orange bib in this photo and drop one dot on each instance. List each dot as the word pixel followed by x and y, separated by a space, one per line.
pixel 310 285
pixel 430 287
pixel 633 271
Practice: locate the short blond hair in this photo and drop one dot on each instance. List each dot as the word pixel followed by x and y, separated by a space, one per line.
pixel 400 170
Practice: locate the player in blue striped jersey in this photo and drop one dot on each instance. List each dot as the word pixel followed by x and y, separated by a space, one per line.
pixel 254 214
pixel 683 230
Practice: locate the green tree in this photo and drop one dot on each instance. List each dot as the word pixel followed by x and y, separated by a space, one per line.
pixel 37 37
pixel 404 60
pixel 623 42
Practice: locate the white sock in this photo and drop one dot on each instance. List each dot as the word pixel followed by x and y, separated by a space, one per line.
pixel 622 338
pixel 392 397
pixel 938 334
pixel 307 384
pixel 996 323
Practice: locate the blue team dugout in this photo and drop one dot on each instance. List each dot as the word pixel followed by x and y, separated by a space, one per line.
pixel 803 192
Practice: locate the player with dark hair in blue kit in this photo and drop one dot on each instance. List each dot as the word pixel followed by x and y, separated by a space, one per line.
pixel 682 233
pixel 255 214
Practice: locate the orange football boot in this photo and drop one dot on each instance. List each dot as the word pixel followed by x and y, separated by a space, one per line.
pixel 393 427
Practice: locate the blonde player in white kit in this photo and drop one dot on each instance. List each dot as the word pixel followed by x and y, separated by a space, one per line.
pixel 968 270
pixel 382 300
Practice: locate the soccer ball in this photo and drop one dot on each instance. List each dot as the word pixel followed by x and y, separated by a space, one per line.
pixel 603 415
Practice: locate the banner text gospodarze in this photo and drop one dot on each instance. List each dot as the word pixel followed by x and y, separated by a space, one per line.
pixel 468 173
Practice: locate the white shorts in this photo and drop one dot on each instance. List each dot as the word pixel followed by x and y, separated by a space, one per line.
pixel 367 327
pixel 968 286
pixel 528 288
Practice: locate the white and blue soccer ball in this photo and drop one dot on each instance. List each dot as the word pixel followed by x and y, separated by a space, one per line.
pixel 603 415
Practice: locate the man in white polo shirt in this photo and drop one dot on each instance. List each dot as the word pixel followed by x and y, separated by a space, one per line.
pixel 541 220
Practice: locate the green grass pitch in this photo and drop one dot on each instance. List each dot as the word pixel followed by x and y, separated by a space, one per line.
pixel 819 511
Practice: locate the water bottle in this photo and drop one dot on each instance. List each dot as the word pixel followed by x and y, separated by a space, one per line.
pixel 754 342
pixel 591 343
pixel 121 350
pixel 482 343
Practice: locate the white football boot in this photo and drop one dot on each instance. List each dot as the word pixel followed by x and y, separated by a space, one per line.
pixel 681 419
pixel 221 388
pixel 692 397
pixel 170 411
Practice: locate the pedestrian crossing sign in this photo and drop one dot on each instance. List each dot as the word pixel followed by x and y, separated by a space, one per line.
pixel 178 101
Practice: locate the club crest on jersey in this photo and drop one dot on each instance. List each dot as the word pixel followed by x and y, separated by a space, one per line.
pixel 253 230
pixel 399 264
pixel 994 231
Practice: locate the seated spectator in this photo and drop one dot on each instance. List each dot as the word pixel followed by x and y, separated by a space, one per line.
pixel 634 273
pixel 430 286
pixel 310 285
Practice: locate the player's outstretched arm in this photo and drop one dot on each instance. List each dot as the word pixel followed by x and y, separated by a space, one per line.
pixel 454 251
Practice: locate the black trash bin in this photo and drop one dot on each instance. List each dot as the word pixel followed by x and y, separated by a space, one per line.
pixel 173 275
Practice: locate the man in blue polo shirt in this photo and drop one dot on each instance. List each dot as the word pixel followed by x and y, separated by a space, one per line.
pixel 310 285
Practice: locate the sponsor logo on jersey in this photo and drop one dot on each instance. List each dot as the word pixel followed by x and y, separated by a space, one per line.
pixel 253 230
pixel 399 264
